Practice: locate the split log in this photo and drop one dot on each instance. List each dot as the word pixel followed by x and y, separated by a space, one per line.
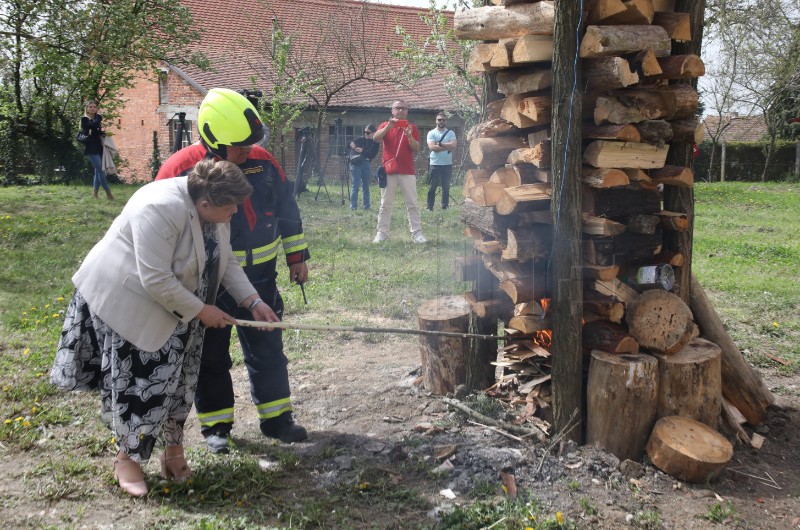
pixel 523 198
pixel 485 219
pixel 526 288
pixel 600 10
pixel 504 270
pixel 688 450
pixel 600 226
pixel 690 383
pixel 500 175
pixel 520 174
pixel 621 402
pixel 604 153
pixel 644 63
pixel 472 178
pixel 494 308
pixel 639 178
pixel 501 58
pixel 660 321
pixel 539 155
pixel 604 306
pixel 488 246
pixel 616 203
pixel 635 105
pixel 624 132
pixel 471 269
pixel 656 132
pixel 677 25
pixel 608 337
pixel 444 359
pixel 603 177
pixel 604 41
pixel 480 58
pixel 529 324
pixel 604 73
pixel 539 135
pixel 689 131
pixel 676 259
pixel 492 128
pixel 492 152
pixel 673 176
pixel 487 194
pixel 623 248
pixel 597 272
pixel 493 23
pixel 532 48
pixel 636 12
pixel 680 67
pixel 664 6
pixel 741 384
pixel 686 101
pixel 520 81
pixel 616 289
pixel 528 244
pixel 675 221
pixel 527 111
pixel 642 224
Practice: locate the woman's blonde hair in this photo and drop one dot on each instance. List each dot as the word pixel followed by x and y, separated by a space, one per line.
pixel 221 183
pixel 90 102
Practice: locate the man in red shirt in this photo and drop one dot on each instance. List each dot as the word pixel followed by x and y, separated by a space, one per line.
pixel 400 141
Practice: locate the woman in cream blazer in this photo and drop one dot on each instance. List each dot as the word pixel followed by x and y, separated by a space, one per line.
pixel 135 325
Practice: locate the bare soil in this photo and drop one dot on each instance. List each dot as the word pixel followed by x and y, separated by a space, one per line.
pixel 365 415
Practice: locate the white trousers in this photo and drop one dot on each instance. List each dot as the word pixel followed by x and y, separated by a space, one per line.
pixel 408 185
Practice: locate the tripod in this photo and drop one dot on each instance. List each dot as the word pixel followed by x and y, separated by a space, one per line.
pixel 181 134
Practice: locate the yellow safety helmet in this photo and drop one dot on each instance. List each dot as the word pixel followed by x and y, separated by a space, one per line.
pixel 228 118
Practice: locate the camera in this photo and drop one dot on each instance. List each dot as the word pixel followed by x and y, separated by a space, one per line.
pixel 251 95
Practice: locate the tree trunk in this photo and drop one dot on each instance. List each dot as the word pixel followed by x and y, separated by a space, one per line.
pixel 566 306
pixel 690 383
pixel 444 359
pixel 621 401
pixel 741 385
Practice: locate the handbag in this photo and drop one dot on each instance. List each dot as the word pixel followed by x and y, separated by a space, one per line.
pixel 389 167
pixel 82 137
pixel 381 174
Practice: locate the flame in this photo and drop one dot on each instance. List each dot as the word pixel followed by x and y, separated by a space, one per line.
pixel 544 338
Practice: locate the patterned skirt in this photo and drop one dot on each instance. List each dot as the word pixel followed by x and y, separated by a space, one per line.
pixel 144 395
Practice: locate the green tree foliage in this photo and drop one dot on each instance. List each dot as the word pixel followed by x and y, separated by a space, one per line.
pixel 441 54
pixel 58 53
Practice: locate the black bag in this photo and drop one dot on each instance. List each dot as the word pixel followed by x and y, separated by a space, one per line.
pixel 356 158
pixel 82 137
pixel 381 173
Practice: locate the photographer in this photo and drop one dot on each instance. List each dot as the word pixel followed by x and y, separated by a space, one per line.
pixel 442 142
pixel 362 151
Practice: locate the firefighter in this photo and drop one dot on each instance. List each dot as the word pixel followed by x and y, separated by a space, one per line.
pixel 229 126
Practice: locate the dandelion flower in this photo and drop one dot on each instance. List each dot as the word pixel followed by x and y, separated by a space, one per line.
pixel 26 424
pixel 60 299
pixel 7 421
pixel 26 351
pixel 47 306
pixel 19 418
pixel 166 491
pixel 774 324
pixel 34 410
pixel 55 315
pixel 560 518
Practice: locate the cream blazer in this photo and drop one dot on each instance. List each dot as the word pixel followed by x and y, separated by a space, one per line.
pixel 140 278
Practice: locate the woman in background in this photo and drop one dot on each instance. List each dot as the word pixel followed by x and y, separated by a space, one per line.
pixel 92 127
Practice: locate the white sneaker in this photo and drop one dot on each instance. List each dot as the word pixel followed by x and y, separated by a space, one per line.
pixel 419 238
pixel 379 237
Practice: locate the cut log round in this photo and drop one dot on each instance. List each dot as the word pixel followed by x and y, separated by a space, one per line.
pixel 621 399
pixel 688 450
pixel 444 359
pixel 690 382
pixel 660 321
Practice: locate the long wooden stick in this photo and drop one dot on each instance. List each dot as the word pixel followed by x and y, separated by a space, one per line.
pixel 358 329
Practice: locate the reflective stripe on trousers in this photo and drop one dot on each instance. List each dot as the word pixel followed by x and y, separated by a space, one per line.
pixel 273 409
pixel 209 419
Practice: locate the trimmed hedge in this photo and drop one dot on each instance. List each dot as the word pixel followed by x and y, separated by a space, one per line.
pixel 744 161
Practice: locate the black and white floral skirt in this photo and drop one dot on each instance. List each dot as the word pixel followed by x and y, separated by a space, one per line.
pixel 144 395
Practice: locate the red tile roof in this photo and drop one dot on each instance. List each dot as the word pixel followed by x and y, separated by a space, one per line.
pixel 735 128
pixel 232 36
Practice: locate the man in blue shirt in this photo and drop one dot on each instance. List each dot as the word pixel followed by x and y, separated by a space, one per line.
pixel 442 142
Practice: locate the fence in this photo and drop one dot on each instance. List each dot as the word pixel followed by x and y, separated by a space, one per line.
pixel 744 161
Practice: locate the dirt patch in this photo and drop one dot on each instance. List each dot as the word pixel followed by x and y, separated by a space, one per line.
pixel 359 401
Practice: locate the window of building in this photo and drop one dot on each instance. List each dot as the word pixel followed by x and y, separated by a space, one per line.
pixel 174 133
pixel 163 93
pixel 338 144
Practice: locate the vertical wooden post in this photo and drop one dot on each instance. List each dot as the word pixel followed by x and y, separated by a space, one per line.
pixel 567 289
pixel 676 198
pixel 797 159
pixel 722 161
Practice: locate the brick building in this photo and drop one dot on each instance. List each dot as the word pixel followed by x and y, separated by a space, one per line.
pixel 231 38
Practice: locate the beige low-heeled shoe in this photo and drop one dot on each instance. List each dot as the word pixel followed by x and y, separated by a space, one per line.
pixel 129 476
pixel 173 464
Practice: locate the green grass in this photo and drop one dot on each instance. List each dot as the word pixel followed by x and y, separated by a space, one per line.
pixel 746 257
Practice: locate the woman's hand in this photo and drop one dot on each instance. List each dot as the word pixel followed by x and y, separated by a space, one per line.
pixel 214 317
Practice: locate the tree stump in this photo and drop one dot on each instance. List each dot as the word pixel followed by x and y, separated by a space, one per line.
pixel 621 398
pixel 688 450
pixel 690 383
pixel 660 321
pixel 444 359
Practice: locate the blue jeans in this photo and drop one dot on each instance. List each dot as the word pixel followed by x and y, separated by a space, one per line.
pixel 361 175
pixel 99 174
pixel 440 176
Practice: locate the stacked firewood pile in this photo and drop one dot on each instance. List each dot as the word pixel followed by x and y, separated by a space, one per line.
pixel 637 100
